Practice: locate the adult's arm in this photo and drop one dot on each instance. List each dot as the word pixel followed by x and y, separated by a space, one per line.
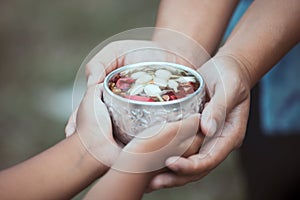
pixel 266 32
pixel 202 20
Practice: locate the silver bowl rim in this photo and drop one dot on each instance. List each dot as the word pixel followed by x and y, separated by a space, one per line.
pixel 142 64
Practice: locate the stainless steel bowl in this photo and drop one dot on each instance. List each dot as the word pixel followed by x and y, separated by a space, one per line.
pixel 131 117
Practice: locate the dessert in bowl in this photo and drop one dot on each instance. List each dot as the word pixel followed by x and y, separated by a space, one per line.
pixel 145 94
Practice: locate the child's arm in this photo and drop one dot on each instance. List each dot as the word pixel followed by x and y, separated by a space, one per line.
pixel 57 173
pixel 68 167
pixel 144 157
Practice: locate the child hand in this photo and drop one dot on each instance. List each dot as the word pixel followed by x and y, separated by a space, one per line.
pixel 94 127
pixel 148 150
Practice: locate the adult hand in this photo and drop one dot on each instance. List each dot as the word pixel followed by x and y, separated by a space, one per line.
pixel 223 121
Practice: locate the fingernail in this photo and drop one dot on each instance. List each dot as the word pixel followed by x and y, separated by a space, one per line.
pixel 170 163
pixel 171 160
pixel 70 130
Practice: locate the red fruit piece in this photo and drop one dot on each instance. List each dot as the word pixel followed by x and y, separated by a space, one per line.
pixel 124 83
pixel 171 95
pixel 139 98
pixel 185 89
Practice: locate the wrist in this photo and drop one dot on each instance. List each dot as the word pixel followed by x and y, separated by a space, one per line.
pixel 242 66
pixel 85 160
pixel 138 159
pixel 183 48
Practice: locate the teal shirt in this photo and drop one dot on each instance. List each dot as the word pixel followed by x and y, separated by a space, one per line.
pixel 280 88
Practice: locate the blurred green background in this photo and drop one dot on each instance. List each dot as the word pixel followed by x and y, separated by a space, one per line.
pixel 42 46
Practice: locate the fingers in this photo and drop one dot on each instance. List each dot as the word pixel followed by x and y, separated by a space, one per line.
pixel 102 63
pixel 182 165
pixel 183 133
pixel 95 73
pixel 120 53
pixel 187 127
pixel 213 114
pixel 92 109
pixel 214 150
pixel 181 129
pixel 211 154
pixel 169 139
pixel 169 179
pixel 225 91
pixel 196 164
pixel 193 144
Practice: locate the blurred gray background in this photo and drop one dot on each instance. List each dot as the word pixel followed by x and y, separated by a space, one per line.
pixel 42 44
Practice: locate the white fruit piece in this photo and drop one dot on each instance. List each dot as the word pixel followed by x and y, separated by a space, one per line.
pixel 136 89
pixel 152 90
pixel 164 74
pixel 173 84
pixel 186 79
pixel 160 82
pixel 137 75
pixel 145 78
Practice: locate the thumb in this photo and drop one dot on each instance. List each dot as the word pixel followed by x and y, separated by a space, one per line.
pixel 178 130
pixel 214 113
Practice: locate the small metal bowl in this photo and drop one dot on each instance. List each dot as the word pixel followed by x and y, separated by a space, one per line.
pixel 131 117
